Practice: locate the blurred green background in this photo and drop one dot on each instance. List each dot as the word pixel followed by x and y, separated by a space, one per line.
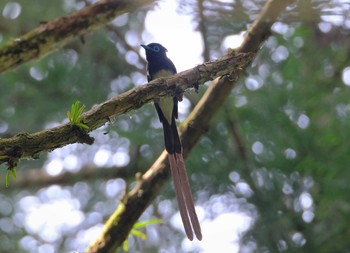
pixel 271 174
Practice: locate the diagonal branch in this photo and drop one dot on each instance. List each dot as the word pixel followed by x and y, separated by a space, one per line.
pixel 31 145
pixel 50 36
pixel 136 201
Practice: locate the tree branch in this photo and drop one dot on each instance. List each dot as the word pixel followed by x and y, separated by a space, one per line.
pixel 135 202
pixel 50 36
pixel 31 145
pixel 38 178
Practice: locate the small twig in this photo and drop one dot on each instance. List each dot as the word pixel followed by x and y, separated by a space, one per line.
pixel 236 136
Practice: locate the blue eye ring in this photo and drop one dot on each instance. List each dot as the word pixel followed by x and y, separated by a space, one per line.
pixel 156 48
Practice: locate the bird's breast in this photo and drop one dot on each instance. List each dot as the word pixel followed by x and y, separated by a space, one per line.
pixel 162 73
pixel 166 104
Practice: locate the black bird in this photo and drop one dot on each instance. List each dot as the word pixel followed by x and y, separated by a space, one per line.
pixel 159 65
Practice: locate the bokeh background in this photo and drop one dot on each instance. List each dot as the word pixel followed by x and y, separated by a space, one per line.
pixel 271 174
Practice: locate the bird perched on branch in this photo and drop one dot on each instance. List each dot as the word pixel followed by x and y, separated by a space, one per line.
pixel 159 65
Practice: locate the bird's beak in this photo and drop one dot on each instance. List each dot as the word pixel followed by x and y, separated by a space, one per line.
pixel 146 47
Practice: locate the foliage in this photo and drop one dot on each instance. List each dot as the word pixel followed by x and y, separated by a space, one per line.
pixel 137 233
pixel 75 117
pixel 10 172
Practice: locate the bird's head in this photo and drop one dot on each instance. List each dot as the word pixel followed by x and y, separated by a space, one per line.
pixel 154 50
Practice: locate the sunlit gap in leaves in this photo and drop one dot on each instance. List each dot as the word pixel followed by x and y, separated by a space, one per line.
pixel 184 55
pixel 124 83
pixel 38 211
pixel 72 5
pixel 300 202
pixel 258 149
pixel 11 10
pixel 219 214
pixel 55 212
pixel 68 58
pixel 294 187
pixel 301 119
pixel 229 215
pixel 307 207
pixel 37 73
pixel 233 41
pixel 107 151
pixel 346 76
pixel 3 127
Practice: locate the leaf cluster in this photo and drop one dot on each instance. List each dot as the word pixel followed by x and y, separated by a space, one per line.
pixel 75 115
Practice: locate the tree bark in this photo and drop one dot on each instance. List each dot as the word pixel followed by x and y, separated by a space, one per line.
pixel 26 145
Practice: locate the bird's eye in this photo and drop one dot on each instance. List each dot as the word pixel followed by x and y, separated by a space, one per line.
pixel 156 49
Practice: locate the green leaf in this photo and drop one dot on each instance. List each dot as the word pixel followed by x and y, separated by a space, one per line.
pixel 82 125
pixel 10 172
pixel 126 245
pixel 138 233
pixel 145 223
pixel 14 173
pixel 8 178
pixel 135 232
pixel 81 109
pixel 69 115
pixel 75 117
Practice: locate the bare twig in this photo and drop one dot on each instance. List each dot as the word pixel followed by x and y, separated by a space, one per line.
pixel 203 29
pixel 231 122
pixel 36 177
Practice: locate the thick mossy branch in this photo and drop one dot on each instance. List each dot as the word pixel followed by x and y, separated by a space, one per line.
pixel 31 145
pixel 52 35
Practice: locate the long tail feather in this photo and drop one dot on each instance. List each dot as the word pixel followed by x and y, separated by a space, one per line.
pixel 180 196
pixel 185 186
pixel 178 171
